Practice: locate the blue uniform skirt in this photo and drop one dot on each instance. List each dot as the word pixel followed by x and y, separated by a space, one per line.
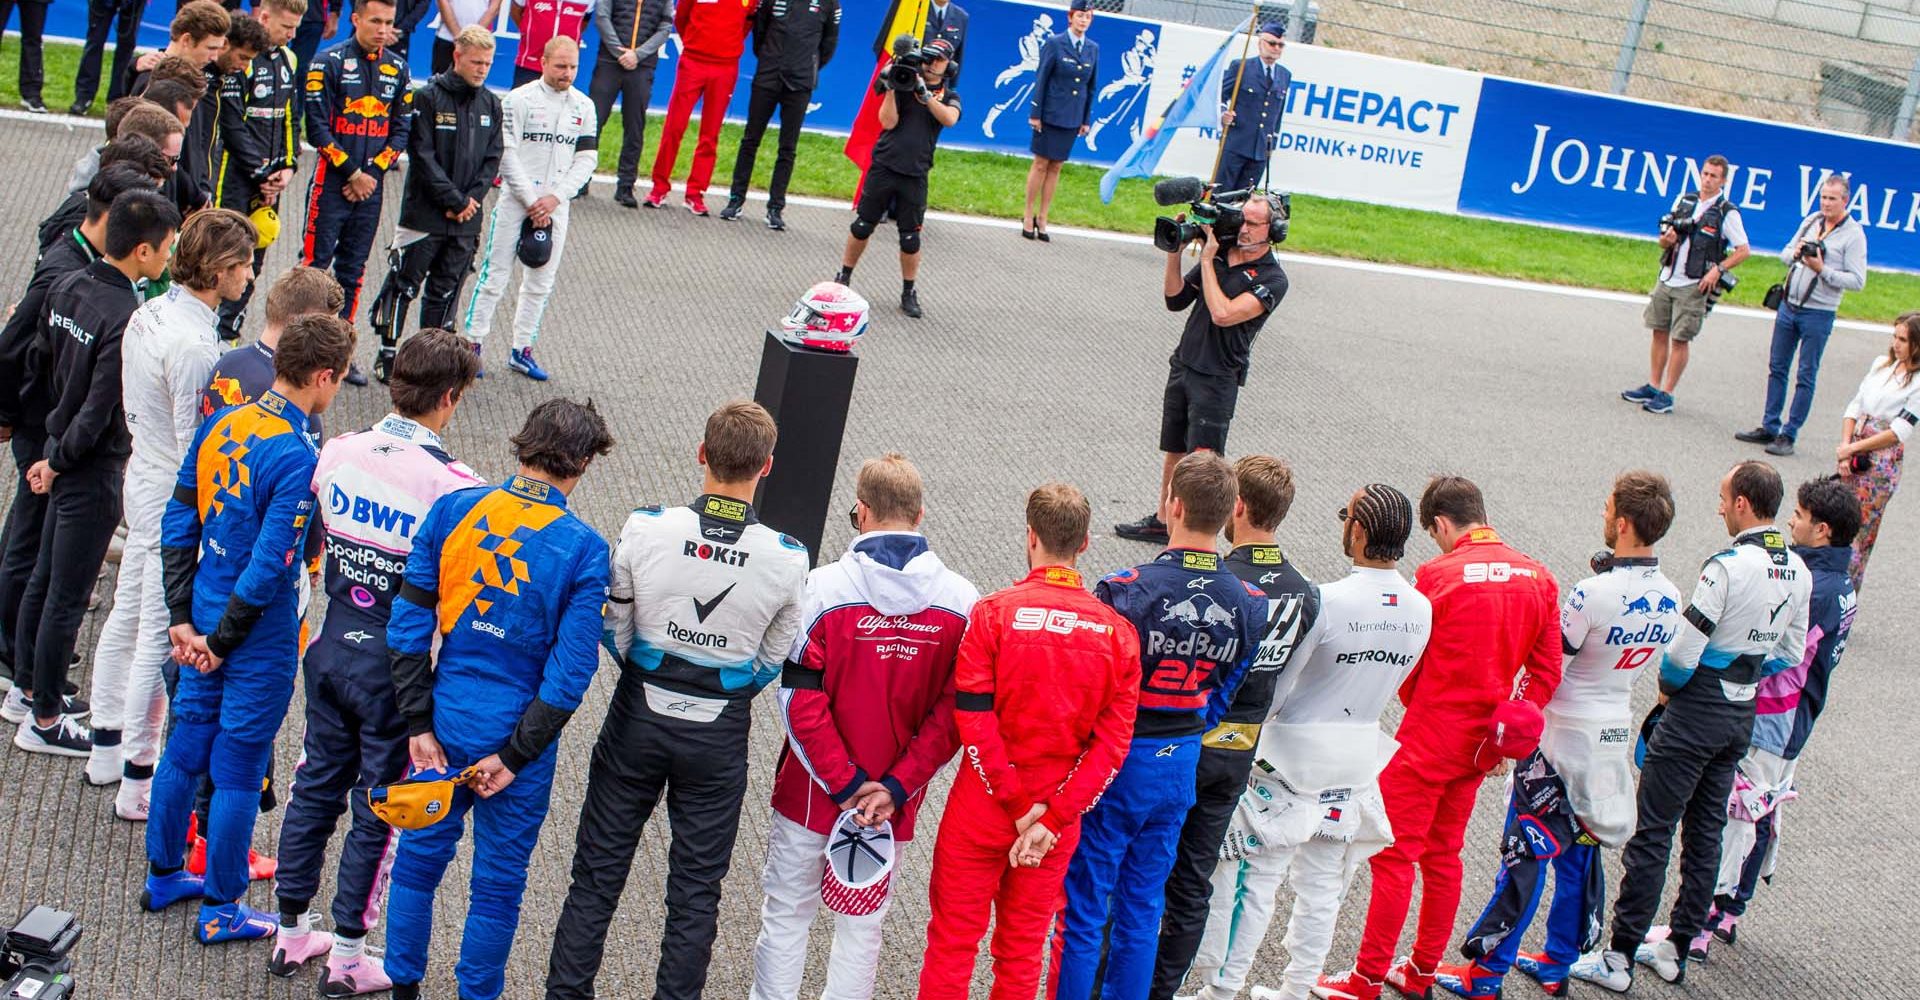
pixel 1054 142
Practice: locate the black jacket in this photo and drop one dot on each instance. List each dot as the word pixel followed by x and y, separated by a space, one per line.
pixel 76 357
pixel 615 19
pixel 455 154
pixel 793 40
pixel 18 408
pixel 63 220
pixel 257 114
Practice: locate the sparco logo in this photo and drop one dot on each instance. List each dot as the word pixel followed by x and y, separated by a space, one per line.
pixel 1376 656
pixel 682 634
pixel 896 623
pixel 489 628
pixel 714 553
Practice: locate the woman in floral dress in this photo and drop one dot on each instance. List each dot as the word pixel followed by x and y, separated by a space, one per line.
pixel 1874 435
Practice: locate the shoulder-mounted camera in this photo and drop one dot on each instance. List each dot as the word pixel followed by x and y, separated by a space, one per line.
pixel 1224 212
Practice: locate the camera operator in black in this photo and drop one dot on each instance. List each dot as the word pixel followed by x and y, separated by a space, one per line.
pixel 902 158
pixel 456 145
pixel 792 42
pixel 632 33
pixel 1702 238
pixel 1230 292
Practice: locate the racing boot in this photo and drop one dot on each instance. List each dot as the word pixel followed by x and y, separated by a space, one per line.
pixel 1347 985
pixel 383 364
pixel 1725 926
pixel 351 976
pixel 134 799
pixel 293 948
pixel 1698 947
pixel 910 302
pixel 478 353
pixel 1406 977
pixel 1551 975
pixel 162 891
pixel 221 922
pixel 104 765
pixel 731 213
pixel 623 197
pixel 1663 956
pixel 1610 970
pixel 520 359
pixel 1469 980
pixel 355 377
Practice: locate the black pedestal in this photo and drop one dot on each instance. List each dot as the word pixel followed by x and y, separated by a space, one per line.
pixel 808 392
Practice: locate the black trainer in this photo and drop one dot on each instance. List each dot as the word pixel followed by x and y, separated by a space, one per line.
pixel 355 376
pixel 624 198
pixel 1759 435
pixel 1147 529
pixel 774 221
pixel 65 738
pixel 910 302
pixel 1781 446
pixel 731 213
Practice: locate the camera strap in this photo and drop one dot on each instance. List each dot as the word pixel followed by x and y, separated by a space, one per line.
pixel 1805 228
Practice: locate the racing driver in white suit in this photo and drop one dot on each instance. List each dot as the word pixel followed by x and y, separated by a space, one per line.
pixel 550 149
pixel 1312 810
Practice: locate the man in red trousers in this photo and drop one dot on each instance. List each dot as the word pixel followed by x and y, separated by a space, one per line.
pixel 1496 638
pixel 713 33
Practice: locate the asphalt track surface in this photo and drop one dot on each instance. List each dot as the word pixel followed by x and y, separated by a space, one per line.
pixel 1045 361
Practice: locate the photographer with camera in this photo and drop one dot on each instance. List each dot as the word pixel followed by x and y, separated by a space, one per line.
pixel 1828 257
pixel 1701 239
pixel 918 104
pixel 1230 291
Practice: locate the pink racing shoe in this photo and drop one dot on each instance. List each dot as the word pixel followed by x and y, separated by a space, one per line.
pixel 347 977
pixel 291 951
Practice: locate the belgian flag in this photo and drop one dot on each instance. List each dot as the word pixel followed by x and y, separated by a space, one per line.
pixel 908 17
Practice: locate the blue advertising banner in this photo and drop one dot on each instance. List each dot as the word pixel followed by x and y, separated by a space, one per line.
pixel 1547 154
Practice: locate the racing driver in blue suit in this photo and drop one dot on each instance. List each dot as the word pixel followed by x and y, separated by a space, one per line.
pixel 513 584
pixel 230 548
pixel 1199 627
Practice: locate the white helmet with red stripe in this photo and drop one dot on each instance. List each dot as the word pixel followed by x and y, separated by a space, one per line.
pixel 829 317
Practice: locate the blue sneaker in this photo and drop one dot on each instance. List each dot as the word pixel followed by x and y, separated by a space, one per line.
pixel 163 891
pixel 1661 402
pixel 1639 395
pixel 477 353
pixel 1551 975
pixel 1468 980
pixel 521 360
pixel 233 922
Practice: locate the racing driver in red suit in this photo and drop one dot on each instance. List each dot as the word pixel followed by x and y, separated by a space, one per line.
pixel 1047 682
pixel 1496 622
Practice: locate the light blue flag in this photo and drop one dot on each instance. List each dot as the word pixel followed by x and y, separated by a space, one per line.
pixel 1197 106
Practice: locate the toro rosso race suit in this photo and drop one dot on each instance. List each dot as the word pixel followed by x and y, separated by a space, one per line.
pixel 1199 628
pixel 1226 756
pixel 1312 812
pixel 230 542
pixel 704 608
pixel 358 111
pixel 1784 711
pixel 374 488
pixel 1747 620
pixel 511 584
pixel 1496 632
pixel 1575 794
pixel 1046 688
pixel 866 696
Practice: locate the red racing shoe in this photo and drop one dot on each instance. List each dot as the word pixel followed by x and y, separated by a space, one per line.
pixel 1404 976
pixel 259 867
pixel 1347 985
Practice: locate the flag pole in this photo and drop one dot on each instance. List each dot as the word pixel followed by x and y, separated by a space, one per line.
pixel 1253 28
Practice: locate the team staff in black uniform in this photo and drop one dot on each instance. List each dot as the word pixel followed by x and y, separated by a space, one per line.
pixel 1230 292
pixel 23 415
pixel 902 158
pixel 1254 121
pixel 793 40
pixel 1062 112
pixel 455 155
pixel 632 33
pixel 74 362
pixel 1226 752
pixel 258 150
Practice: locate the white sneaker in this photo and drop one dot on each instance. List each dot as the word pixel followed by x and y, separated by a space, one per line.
pixel 104 765
pixel 1662 956
pixel 65 738
pixel 1609 970
pixel 1269 993
pixel 133 799
pixel 16 707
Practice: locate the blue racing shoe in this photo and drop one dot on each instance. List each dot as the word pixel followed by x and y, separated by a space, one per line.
pixel 521 360
pixel 233 922
pixel 1468 980
pixel 163 891
pixel 1551 975
pixel 1640 395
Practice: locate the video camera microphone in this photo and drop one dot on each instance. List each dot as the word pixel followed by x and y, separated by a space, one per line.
pixel 1186 190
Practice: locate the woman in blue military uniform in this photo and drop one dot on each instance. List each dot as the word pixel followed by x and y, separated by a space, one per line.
pixel 1062 111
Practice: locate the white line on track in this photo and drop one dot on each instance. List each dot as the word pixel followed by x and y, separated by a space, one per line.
pixel 1309 260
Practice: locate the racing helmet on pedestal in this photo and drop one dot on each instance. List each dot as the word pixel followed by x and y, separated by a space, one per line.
pixel 829 317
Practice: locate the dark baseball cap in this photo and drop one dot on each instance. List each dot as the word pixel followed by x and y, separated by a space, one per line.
pixel 536 244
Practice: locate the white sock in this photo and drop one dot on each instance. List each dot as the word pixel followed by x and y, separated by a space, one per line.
pixel 299 928
pixel 348 947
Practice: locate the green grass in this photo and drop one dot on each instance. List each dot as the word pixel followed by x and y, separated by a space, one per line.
pixel 992 184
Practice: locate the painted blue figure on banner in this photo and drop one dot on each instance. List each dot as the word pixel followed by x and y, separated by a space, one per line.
pixel 1124 94
pixel 1020 75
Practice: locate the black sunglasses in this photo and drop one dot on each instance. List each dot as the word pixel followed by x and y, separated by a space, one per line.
pixel 853 515
pixel 1343 515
